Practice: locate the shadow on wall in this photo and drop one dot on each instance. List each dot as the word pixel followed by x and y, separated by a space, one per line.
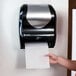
pixel 59 24
pixel 21 64
pixel 59 30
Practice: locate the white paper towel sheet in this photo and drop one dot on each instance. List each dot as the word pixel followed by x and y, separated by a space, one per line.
pixel 34 55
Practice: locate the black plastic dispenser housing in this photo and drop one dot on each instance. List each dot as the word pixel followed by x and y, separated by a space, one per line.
pixel 37 23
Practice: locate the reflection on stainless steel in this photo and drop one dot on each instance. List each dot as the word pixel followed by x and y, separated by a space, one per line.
pixel 39 35
pixel 38 16
pixel 39 30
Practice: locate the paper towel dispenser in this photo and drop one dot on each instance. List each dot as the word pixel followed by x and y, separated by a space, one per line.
pixel 37 23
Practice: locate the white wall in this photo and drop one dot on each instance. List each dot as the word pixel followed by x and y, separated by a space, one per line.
pixel 11 57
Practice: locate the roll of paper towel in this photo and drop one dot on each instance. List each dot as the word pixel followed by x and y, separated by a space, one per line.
pixel 34 55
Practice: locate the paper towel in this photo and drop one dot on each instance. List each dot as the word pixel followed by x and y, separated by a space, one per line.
pixel 34 55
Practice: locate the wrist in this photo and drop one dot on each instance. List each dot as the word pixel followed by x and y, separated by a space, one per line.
pixel 58 60
pixel 63 62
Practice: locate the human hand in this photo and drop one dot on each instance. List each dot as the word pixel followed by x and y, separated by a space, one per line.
pixel 53 59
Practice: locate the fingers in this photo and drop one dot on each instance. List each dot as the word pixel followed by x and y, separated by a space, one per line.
pixel 47 55
pixel 50 55
pixel 52 61
pixel 52 58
